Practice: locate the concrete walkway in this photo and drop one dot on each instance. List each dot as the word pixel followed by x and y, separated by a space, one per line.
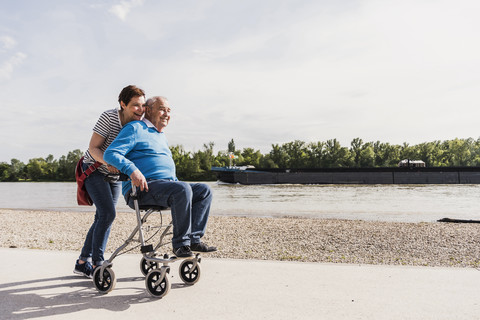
pixel 40 284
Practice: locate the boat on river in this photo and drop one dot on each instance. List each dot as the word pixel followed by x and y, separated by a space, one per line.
pixel 382 175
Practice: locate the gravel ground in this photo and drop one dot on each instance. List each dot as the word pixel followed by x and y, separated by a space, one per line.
pixel 293 239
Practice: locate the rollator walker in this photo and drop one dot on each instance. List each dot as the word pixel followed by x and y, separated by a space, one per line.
pixel 154 265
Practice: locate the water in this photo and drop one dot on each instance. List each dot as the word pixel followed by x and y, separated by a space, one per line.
pixel 409 203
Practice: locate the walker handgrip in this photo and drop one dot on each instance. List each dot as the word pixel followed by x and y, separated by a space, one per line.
pixel 113 177
pixel 133 192
pixel 123 177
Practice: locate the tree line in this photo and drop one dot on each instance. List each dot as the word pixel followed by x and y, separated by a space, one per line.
pixel 195 166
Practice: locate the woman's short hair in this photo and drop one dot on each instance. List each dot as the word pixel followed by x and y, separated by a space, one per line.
pixel 129 92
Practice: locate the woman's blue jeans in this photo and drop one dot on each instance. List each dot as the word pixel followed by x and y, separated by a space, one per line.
pixel 189 203
pixel 104 195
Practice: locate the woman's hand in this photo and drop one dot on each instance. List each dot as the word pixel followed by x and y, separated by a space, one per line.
pixel 112 169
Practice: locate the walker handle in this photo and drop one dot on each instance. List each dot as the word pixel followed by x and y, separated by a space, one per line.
pixel 112 177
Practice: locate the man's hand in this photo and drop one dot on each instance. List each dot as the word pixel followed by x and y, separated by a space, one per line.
pixel 138 180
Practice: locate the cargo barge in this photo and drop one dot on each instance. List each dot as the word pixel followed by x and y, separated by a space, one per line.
pixel 383 175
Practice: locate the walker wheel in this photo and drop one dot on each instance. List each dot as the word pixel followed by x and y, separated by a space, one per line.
pixel 190 271
pixel 108 282
pixel 157 290
pixel 147 266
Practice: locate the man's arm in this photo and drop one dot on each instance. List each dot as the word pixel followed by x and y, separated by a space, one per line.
pixel 115 155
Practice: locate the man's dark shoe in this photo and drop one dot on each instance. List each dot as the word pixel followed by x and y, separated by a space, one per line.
pixel 183 252
pixel 202 247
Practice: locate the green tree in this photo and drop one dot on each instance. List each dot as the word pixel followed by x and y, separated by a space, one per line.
pixel 4 171
pixel 315 154
pixel 386 155
pixel 278 157
pixel 206 160
pixel 37 169
pixel 16 170
pixel 356 147
pixel 431 153
pixel 336 155
pixel 52 167
pixel 367 156
pixel 408 152
pixel 66 165
pixel 267 162
pixel 186 166
pixel 250 156
pixel 458 152
pixel 476 152
pixel 296 154
pixel 231 146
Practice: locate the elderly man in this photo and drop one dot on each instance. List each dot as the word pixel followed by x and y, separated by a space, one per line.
pixel 141 152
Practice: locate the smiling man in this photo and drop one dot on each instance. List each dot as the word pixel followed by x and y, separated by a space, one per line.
pixel 141 152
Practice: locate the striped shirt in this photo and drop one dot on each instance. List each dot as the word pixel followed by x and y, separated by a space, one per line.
pixel 108 126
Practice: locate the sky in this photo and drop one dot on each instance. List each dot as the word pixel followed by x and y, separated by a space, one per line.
pixel 259 72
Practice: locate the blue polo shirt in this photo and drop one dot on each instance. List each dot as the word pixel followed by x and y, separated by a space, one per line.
pixel 139 145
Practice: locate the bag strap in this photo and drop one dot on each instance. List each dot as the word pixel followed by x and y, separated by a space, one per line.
pixel 90 170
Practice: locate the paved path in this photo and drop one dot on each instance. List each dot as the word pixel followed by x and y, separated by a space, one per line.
pixel 40 284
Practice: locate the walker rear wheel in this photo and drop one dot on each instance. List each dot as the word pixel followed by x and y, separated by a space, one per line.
pixel 156 286
pixel 190 271
pixel 108 282
pixel 147 266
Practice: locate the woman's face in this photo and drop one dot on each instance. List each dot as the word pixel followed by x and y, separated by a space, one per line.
pixel 134 109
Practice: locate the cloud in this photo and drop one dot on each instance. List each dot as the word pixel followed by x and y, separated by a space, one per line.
pixel 7 43
pixel 6 69
pixel 121 10
pixel 259 72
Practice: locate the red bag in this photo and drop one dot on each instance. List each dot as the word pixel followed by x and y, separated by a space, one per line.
pixel 83 199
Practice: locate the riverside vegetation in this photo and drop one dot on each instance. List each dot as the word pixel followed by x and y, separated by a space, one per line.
pixel 195 166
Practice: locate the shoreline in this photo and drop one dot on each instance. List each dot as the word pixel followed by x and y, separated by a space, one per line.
pixel 260 238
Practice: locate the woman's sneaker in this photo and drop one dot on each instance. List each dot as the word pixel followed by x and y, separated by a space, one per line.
pixel 83 269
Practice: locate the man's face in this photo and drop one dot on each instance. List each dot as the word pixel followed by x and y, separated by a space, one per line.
pixel 160 112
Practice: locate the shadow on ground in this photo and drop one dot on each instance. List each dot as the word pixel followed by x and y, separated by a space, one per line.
pixel 41 297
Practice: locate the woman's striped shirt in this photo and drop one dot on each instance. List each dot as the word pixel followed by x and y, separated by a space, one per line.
pixel 108 126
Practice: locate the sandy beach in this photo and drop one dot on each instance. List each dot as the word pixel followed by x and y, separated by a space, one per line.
pixel 291 239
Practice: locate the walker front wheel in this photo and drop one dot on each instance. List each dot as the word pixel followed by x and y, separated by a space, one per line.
pixel 106 282
pixel 190 271
pixel 156 286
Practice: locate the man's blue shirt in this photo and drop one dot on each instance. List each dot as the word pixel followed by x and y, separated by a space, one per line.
pixel 139 145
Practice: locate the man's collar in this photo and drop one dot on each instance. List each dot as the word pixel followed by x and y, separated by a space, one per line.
pixel 149 124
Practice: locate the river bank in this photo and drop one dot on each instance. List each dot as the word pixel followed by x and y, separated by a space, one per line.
pixel 287 238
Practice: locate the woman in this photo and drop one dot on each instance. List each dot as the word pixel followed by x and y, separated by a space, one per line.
pixel 105 194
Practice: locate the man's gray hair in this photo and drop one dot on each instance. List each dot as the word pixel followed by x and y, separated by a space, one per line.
pixel 151 101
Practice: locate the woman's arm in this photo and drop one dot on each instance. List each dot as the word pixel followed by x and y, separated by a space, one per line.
pixel 96 141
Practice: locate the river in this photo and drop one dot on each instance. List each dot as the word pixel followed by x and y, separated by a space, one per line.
pixel 407 203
